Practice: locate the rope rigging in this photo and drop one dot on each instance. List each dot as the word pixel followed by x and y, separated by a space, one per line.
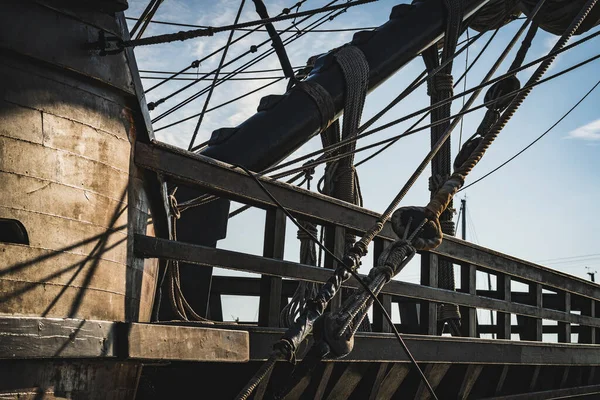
pixel 439 88
pixel 259 71
pixel 475 89
pixel 195 148
pixel 145 19
pixel 260 30
pixel 197 63
pixel 210 31
pixel 564 116
pixel 429 232
pixel 318 22
pixel 361 130
pixel 215 78
pixel 327 157
pixel 502 100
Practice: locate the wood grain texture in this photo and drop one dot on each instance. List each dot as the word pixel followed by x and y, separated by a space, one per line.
pixel 392 381
pixel 168 342
pixel 28 159
pixel 351 377
pixel 73 379
pixel 53 337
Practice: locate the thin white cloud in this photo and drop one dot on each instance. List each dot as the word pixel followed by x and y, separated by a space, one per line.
pixel 589 132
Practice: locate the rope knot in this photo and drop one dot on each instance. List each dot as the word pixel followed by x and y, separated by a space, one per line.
pixel 311 228
pixel 448 227
pixel 173 204
pixel 497 97
pixel 310 171
pixel 436 182
pixel 440 82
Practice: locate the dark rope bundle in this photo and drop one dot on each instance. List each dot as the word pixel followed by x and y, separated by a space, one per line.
pixel 494 15
pixel 556 15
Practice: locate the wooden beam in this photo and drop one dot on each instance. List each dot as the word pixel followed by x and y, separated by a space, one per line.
pixel 392 381
pixel 381 373
pixel 533 326
pixel 31 337
pixel 270 286
pixel 504 319
pixel 534 377
pixel 587 391
pixel 501 380
pixel 409 316
pixel 464 252
pixel 468 284
pixel 380 324
pixel 469 380
pixel 351 377
pixel 221 179
pixel 324 381
pixel 429 277
pixel 183 343
pixel 564 328
pixel 149 247
pixel 335 241
pixel 434 373
pixel 261 389
pixel 565 376
pixel 588 333
pixel 298 391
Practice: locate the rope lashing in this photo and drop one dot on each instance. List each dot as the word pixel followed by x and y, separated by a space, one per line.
pixel 471 159
pixel 308 256
pixel 341 179
pixel 440 82
pixel 171 275
pixel 303 326
pixel 322 100
pixel 497 100
pixel 440 87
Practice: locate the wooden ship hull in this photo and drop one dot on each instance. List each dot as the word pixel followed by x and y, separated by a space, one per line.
pixel 85 220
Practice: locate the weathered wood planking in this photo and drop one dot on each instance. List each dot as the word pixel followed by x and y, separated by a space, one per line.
pixel 67 126
pixel 181 343
pixel 434 373
pixel 106 379
pixel 22 337
pixel 591 392
pixel 221 179
pixel 36 337
pixel 381 347
pixel 159 248
pixel 392 381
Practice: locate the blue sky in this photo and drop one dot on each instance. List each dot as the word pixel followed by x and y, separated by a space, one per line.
pixel 539 207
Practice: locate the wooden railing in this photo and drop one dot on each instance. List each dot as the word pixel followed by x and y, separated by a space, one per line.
pixel 550 295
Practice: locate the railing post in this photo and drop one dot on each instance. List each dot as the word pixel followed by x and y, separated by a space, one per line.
pixel 429 277
pixel 564 328
pixel 335 240
pixel 270 286
pixel 533 325
pixel 380 324
pixel 504 319
pixel 587 334
pixel 468 284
